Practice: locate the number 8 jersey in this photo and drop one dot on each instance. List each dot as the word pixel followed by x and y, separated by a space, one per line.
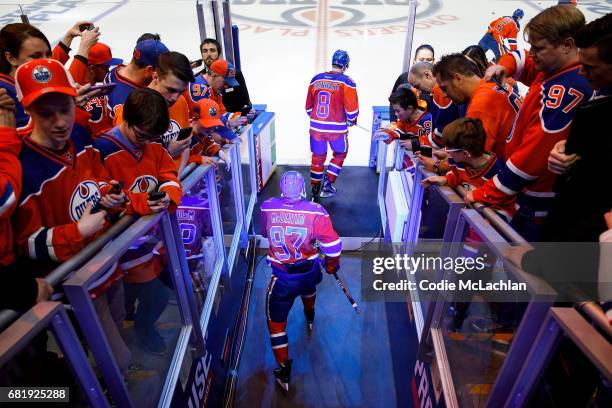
pixel 330 103
pixel 292 227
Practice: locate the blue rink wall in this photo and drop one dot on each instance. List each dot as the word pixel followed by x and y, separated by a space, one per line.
pixel 207 379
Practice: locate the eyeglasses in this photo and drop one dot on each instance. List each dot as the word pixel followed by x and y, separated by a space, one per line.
pixel 447 150
pixel 141 135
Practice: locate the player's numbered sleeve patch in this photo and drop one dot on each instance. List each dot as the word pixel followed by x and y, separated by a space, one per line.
pixel 558 105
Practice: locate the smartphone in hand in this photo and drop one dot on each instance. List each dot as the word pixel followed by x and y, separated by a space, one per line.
pixel 426 151
pixel 156 195
pixel 105 89
pixel 415 144
pixel 116 189
pixel 86 27
pixel 184 133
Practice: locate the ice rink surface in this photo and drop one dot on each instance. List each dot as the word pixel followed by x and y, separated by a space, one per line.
pixel 284 43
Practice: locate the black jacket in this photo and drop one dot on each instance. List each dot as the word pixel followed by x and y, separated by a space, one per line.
pixel 237 97
pixel 575 219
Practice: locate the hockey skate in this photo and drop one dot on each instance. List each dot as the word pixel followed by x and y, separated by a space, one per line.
pixel 316 191
pixel 283 374
pixel 310 315
pixel 328 189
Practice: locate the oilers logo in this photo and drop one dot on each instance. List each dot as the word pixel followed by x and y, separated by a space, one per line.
pixel 467 186
pixel 41 74
pixel 144 184
pixel 340 13
pixel 172 133
pixel 86 192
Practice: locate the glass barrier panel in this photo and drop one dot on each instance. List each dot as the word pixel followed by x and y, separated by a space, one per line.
pixel 137 307
pixel 249 185
pixel 41 363
pixel 195 223
pixel 478 327
pixel 481 302
pixel 227 203
pixel 152 320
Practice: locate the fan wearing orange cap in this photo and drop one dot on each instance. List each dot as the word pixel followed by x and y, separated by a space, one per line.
pixel 210 84
pixel 206 133
pixel 98 64
pixel 219 131
pixel 63 177
pixel 65 190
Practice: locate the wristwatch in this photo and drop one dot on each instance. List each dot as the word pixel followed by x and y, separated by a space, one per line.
pixel 436 166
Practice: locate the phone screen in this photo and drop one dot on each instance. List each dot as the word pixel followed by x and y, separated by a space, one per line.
pixel 156 195
pixel 426 151
pixel 105 89
pixel 184 133
pixel 415 144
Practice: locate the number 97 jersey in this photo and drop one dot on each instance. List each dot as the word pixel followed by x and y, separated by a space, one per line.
pixel 292 227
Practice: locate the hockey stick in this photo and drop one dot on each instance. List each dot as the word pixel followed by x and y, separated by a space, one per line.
pixel 347 293
pixel 340 282
pixel 362 128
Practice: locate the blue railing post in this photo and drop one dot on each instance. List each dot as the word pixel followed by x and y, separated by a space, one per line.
pixel 72 349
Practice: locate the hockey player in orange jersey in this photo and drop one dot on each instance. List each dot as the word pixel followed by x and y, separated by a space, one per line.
pixel 332 105
pixel 502 29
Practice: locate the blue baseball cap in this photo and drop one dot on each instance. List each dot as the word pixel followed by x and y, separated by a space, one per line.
pixel 148 51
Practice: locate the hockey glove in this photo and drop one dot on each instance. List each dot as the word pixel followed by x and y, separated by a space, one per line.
pixel 332 264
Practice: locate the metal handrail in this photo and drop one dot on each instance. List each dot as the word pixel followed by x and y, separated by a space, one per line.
pixel 52 315
pixel 187 170
pixel 55 277
pixel 494 218
pixel 560 323
pixel 597 316
pixel 61 272
pixel 589 308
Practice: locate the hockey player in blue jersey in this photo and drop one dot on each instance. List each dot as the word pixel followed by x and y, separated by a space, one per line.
pixel 292 226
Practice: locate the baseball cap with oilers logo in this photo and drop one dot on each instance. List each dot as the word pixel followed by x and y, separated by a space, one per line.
pixel 209 113
pixel 42 76
pixel 226 70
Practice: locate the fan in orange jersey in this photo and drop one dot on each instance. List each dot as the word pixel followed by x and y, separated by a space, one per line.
pixel 496 106
pixel 412 122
